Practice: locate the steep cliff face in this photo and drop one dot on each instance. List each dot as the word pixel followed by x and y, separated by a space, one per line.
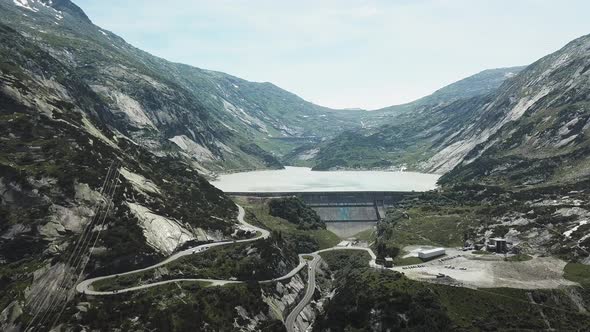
pixel 535 130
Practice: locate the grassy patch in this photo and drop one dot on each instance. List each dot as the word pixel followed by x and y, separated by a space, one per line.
pixel 185 306
pixel 323 237
pixel 121 282
pixel 15 278
pixel 434 226
pixel 481 252
pixel 367 235
pixel 578 272
pixel 339 259
pixel 407 261
pixel 253 261
pixel 369 296
pixel 519 258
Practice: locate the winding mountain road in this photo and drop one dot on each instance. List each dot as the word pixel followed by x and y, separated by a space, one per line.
pixel 85 286
pixel 309 291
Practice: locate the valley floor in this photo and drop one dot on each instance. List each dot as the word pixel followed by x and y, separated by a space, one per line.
pixel 497 282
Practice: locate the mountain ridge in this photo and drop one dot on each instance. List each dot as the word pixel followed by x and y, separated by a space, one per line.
pixel 82 111
pixel 405 136
pixel 549 121
pixel 204 108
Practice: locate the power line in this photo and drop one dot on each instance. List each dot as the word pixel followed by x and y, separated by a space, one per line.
pixel 45 296
pixel 101 226
pixel 84 258
pixel 78 250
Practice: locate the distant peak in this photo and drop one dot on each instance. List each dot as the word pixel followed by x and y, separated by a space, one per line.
pixel 59 5
pixel 67 6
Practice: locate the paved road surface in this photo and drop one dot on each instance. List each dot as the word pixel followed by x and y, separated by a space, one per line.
pixel 292 317
pixel 84 286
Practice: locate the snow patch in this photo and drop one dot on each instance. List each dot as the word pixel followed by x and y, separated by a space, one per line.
pixel 569 232
pixel 509 74
pixel 26 5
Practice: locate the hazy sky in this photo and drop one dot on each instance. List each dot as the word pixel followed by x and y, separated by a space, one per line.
pixel 347 53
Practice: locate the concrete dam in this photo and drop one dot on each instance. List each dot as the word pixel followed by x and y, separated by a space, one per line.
pixel 345 212
pixel 343 206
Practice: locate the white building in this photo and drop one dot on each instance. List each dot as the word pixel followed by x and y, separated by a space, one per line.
pixel 429 253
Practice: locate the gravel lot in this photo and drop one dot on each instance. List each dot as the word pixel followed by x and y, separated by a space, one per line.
pixel 486 271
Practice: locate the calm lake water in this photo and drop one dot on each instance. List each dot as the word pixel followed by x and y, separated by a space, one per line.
pixel 304 179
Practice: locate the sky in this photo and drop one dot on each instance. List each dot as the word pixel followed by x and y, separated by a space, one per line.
pixel 346 53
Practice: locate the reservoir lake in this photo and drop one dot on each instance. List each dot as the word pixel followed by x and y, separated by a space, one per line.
pixel 303 179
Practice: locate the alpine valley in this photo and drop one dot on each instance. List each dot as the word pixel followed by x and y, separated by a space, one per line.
pixel 109 222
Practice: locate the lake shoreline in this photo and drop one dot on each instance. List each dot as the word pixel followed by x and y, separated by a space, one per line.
pixel 304 179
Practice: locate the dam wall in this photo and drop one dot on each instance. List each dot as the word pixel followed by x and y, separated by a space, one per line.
pixel 330 198
pixel 343 206
pixel 347 213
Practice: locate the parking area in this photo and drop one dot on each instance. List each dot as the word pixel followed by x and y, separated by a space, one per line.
pixel 484 271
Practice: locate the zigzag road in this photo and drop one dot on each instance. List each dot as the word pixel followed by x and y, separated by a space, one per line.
pixel 85 286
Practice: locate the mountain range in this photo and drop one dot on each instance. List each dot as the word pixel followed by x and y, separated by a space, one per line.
pixel 77 101
pixel 531 129
pixel 216 121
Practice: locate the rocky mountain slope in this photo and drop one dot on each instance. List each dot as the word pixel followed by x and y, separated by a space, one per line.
pixel 534 131
pixel 57 167
pixel 217 120
pixel 71 183
pixel 91 124
pixel 406 135
pixel 482 83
